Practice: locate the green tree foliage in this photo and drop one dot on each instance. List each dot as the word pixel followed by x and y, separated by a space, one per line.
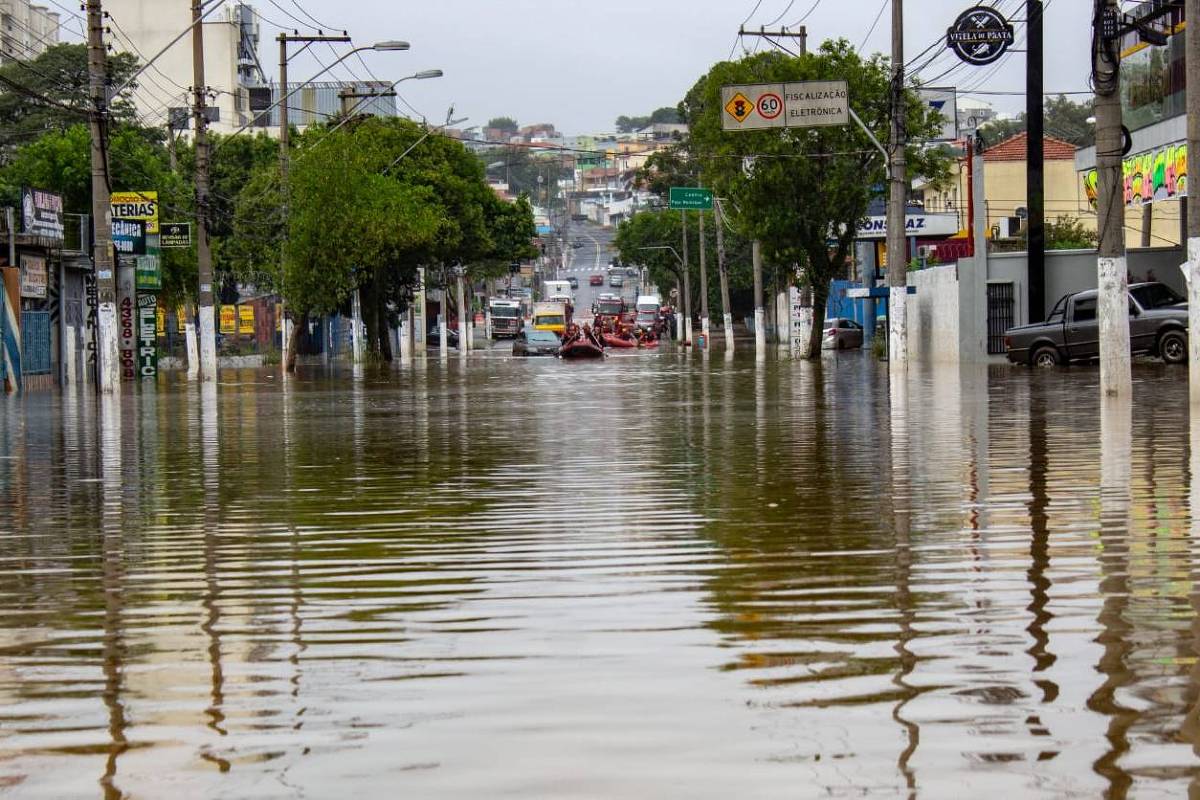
pixel 1068 233
pixel 1064 119
pixel 60 74
pixel 360 219
pixel 807 187
pixel 666 114
pixel 505 124
pixel 652 229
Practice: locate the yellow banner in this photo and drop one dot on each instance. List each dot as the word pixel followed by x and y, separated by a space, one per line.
pixel 246 319
pixel 278 316
pixel 180 320
pixel 228 319
pixel 137 206
pixel 160 321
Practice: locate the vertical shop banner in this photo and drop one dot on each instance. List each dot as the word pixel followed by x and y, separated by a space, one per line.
pixel 42 214
pixel 160 322
pixel 180 320
pixel 89 325
pixel 228 319
pixel 127 322
pixel 149 276
pixel 147 328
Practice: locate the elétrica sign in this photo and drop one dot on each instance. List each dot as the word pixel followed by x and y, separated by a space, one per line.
pixel 980 35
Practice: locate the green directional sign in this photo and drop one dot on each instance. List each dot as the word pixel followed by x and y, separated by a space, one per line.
pixel 689 198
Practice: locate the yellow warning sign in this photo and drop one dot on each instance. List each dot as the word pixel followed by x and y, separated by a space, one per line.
pixel 739 107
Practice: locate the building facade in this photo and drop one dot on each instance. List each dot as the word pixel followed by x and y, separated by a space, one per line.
pixel 26 30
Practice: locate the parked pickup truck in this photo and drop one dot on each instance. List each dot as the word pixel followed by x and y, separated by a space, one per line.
pixel 1158 321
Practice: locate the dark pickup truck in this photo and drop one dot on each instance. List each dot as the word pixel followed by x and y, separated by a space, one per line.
pixel 1158 322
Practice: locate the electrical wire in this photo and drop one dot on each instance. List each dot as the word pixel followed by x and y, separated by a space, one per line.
pixel 871 30
pixel 808 14
pixel 784 13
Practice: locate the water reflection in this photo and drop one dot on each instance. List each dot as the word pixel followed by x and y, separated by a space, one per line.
pixel 662 575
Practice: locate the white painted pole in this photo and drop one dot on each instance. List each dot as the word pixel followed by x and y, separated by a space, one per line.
pixel 208 343
pixel 191 343
pixel 1112 307
pixel 1192 46
pixel 356 342
pixel 897 266
pixel 760 313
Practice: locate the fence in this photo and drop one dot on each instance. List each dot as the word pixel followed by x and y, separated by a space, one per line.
pixel 35 342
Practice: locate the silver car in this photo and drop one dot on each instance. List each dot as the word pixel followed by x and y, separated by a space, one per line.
pixel 842 334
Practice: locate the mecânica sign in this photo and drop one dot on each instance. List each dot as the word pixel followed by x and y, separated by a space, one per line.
pixel 804 104
pixel 139 206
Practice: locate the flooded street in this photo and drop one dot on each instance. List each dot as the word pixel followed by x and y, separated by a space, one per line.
pixel 652 576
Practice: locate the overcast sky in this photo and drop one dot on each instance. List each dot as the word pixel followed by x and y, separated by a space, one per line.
pixel 581 64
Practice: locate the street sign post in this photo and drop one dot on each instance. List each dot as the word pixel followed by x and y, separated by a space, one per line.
pixel 176 234
pixel 690 198
pixel 804 104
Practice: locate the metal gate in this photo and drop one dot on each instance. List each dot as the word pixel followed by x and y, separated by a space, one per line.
pixel 999 315
pixel 35 342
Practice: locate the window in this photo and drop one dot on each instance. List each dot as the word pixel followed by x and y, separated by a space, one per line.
pixel 1084 310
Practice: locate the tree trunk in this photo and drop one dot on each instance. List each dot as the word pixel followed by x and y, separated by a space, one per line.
pixel 369 308
pixel 820 295
pixel 385 329
pixel 298 319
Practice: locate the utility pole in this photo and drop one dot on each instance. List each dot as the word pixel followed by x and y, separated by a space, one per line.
pixel 800 35
pixel 723 272
pixel 108 356
pixel 897 265
pixel 703 285
pixel 1192 47
pixel 1112 307
pixel 760 313
pixel 1035 180
pixel 287 354
pixel 687 289
pixel 208 332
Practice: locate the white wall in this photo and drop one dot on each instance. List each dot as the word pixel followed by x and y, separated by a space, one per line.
pixel 933 315
pixel 150 25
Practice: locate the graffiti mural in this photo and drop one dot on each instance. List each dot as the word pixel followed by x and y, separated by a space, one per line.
pixel 1146 177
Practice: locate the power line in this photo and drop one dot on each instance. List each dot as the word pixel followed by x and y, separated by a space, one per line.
pixel 807 15
pixel 783 14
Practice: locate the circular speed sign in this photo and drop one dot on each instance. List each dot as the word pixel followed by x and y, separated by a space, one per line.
pixel 770 105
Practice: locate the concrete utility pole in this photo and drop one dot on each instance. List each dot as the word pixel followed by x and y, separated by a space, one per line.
pixel 1035 179
pixel 1112 305
pixel 723 272
pixel 703 285
pixel 760 313
pixel 108 355
pixel 897 265
pixel 687 288
pixel 208 331
pixel 1192 47
pixel 464 339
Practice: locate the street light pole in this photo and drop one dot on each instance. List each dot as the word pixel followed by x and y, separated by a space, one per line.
pixel 897 266
pixel 1192 47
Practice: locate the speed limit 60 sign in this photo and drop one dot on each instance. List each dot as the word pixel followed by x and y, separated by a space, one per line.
pixel 804 104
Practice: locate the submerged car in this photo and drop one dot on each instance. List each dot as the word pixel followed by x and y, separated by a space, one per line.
pixel 842 334
pixel 536 343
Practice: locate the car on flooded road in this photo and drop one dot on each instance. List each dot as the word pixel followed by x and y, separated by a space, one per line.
pixel 841 334
pixel 596 280
pixel 1158 321
pixel 536 343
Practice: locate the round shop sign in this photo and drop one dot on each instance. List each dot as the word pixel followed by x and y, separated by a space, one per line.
pixel 980 35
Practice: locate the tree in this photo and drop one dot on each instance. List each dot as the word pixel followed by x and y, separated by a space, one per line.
pixel 60 74
pixel 666 114
pixel 806 187
pixel 1064 119
pixel 1068 233
pixel 504 124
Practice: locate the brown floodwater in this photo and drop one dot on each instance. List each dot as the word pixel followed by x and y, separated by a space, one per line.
pixel 654 576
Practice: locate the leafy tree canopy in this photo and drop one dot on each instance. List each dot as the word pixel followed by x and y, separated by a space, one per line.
pixel 805 188
pixel 666 114
pixel 506 124
pixel 1064 119
pixel 60 73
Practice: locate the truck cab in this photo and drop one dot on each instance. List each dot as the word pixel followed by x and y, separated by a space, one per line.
pixel 506 317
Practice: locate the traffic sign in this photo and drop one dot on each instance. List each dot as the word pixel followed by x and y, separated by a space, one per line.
pixel 803 104
pixel 690 198
pixel 175 234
